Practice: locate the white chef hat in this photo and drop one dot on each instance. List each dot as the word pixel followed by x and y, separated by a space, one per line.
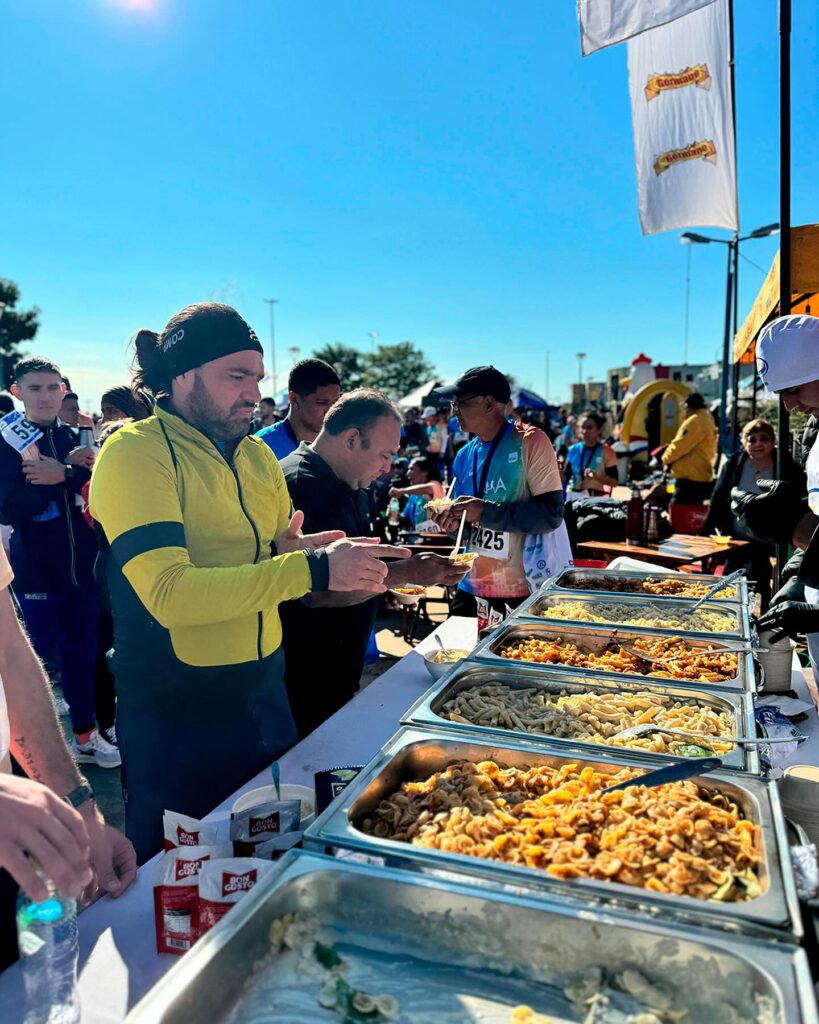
pixel 787 352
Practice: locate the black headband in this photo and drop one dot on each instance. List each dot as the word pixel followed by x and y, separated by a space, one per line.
pixel 209 333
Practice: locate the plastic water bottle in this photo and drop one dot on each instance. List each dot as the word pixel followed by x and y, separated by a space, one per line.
pixel 394 512
pixel 47 936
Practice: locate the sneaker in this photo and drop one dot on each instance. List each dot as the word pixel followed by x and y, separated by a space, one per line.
pixel 97 750
pixel 110 735
pixel 60 705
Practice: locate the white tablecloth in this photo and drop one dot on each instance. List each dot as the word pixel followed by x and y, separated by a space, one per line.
pixel 118 958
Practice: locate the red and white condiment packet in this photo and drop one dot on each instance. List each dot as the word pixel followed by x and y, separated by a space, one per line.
pixel 223 883
pixel 182 830
pixel 176 895
pixel 266 821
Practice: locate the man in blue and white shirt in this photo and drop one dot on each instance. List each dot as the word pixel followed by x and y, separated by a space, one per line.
pixel 313 386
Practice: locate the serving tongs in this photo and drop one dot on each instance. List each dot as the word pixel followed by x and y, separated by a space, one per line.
pixel 670 773
pixel 752 741
pixel 726 581
pixel 670 655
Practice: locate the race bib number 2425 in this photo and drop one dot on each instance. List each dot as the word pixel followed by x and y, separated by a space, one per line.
pixel 489 543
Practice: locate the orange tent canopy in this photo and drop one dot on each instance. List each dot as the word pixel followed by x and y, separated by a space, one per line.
pixel 804 291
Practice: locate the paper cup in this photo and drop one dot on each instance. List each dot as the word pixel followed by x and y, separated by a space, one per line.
pixel 799 792
pixel 264 794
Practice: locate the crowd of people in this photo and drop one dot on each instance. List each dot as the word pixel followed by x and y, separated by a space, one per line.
pixel 203 577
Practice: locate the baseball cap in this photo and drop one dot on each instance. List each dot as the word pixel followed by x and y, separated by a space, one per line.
pixel 480 380
pixel 787 352
pixel 429 412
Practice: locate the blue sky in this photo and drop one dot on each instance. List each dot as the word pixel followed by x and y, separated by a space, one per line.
pixel 450 173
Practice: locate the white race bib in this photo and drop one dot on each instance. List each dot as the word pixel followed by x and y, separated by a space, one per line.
pixel 16 430
pixel 490 543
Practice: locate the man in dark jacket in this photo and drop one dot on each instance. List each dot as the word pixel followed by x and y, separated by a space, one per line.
pixel 42 473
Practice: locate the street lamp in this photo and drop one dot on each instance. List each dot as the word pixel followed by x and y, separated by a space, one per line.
pixel 372 336
pixel 580 357
pixel 293 352
pixel 271 303
pixel 687 237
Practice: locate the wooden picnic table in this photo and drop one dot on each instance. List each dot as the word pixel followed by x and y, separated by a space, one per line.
pixel 678 550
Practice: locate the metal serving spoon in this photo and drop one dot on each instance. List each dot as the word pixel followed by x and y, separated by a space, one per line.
pixel 754 741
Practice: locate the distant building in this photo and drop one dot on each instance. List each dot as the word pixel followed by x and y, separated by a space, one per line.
pixel 702 377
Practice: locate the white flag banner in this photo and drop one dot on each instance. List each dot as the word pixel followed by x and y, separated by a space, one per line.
pixel 605 22
pixel 680 88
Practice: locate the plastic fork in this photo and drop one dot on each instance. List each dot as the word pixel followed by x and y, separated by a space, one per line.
pixel 753 741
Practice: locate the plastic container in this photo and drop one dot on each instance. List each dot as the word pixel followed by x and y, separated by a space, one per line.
pixel 776 661
pixel 47 936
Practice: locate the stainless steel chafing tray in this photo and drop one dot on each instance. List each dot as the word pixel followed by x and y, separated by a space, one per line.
pixel 511 936
pixel 587 581
pixel 537 607
pixel 427 712
pixel 414 754
pixel 596 638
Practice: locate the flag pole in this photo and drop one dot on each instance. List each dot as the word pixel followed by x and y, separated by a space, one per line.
pixel 783 423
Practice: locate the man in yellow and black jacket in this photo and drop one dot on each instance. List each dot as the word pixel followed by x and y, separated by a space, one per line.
pixel 203 546
pixel 692 453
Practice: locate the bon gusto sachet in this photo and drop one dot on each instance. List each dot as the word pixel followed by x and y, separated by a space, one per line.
pixel 176 895
pixel 182 830
pixel 224 882
pixel 266 821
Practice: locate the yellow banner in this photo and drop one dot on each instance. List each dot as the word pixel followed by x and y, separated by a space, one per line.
pixel 705 150
pixel 699 76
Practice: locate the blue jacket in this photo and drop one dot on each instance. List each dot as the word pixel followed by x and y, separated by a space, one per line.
pixel 52 547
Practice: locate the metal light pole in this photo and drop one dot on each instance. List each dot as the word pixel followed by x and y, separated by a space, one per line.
pixel 732 243
pixel 687 243
pixel 271 303
pixel 546 396
pixel 372 336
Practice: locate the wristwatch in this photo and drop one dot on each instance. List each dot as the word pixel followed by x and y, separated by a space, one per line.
pixel 77 797
pixel 69 471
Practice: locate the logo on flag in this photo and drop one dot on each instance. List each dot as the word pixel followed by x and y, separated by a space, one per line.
pixel 698 76
pixel 705 150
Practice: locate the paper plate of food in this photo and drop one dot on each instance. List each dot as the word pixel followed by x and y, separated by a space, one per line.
pixel 408 593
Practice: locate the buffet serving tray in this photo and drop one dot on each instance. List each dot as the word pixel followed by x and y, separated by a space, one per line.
pixel 462 924
pixel 596 637
pixel 414 754
pixel 587 578
pixel 427 710
pixel 538 604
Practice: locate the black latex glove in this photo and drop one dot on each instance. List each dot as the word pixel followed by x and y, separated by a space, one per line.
pixel 790 618
pixel 773 514
pixel 793 590
pixel 791 568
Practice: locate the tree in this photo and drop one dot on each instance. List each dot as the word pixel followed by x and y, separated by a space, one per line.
pixel 16 326
pixel 397 369
pixel 347 361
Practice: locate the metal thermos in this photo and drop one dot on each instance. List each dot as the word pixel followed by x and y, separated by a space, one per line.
pixel 86 435
pixel 653 526
pixel 634 517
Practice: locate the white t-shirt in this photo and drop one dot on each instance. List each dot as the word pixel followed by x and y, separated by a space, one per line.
pixel 6 576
